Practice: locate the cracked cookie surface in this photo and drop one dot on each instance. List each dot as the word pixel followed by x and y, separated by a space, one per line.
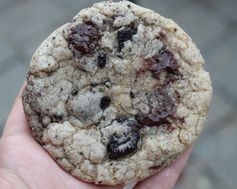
pixel 118 94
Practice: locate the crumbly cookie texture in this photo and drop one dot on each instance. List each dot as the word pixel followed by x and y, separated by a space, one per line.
pixel 118 94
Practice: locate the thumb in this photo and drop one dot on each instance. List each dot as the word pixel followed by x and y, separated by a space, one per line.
pixel 168 177
pixel 16 123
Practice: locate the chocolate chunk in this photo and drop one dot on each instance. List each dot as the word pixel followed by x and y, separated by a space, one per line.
pixel 125 35
pixel 163 62
pixel 161 115
pixel 84 37
pixel 105 102
pixel 101 60
pixel 121 146
pixel 152 119
pixel 161 36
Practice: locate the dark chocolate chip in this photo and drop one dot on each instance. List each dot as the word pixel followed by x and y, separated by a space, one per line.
pixel 121 146
pixel 94 84
pixel 124 35
pixel 114 17
pixel 119 56
pixel 177 95
pixel 101 60
pixel 74 92
pixel 121 119
pixel 105 102
pixel 57 118
pixel 131 94
pixel 84 37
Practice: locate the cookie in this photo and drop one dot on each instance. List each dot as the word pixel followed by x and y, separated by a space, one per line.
pixel 118 94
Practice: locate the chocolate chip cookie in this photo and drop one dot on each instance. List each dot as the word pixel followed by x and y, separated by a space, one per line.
pixel 118 94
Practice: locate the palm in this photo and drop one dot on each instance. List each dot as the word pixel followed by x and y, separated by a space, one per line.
pixel 22 157
pixel 34 166
pixel 25 157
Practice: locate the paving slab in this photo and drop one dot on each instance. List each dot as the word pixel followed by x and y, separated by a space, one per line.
pixel 219 109
pixel 219 149
pixel 6 49
pixel 34 40
pixel 227 6
pixel 199 175
pixel 27 18
pixel 199 22
pixel 1 128
pixel 201 172
pixel 165 8
pixel 195 17
pixel 222 64
pixel 74 6
pixel 6 5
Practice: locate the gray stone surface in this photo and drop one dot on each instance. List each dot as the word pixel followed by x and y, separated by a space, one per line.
pixel 6 49
pixel 219 149
pixel 1 128
pixel 33 41
pixel 219 109
pixel 227 6
pixel 5 6
pixel 28 18
pixel 24 24
pixel 222 64
pixel 74 6
pixel 212 163
pixel 165 8
pixel 196 19
pixel 80 4
pixel 199 175
pixel 10 83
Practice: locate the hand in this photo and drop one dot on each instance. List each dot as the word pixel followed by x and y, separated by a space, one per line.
pixel 24 164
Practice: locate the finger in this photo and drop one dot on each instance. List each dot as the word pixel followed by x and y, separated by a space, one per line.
pixel 168 177
pixel 16 122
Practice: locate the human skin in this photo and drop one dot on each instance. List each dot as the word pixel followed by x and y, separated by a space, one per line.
pixel 24 164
